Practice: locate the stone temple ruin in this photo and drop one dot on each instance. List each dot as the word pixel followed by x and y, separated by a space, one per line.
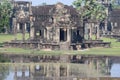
pixel 55 27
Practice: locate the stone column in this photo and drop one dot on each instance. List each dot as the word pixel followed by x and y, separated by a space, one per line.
pixel 18 27
pixel 45 34
pixel 25 27
pixel 65 34
pixel 90 34
pixel 86 31
pixel 112 27
pixel 32 32
pixel 15 28
pixel 98 33
pixel 58 34
pixel 48 37
pixel 68 35
pixel 105 25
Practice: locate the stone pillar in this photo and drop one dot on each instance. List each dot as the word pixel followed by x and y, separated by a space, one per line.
pixel 86 31
pixel 90 34
pixel 58 34
pixel 48 37
pixel 18 27
pixel 32 32
pixel 98 33
pixel 15 28
pixel 68 35
pixel 45 34
pixel 25 27
pixel 112 27
pixel 65 34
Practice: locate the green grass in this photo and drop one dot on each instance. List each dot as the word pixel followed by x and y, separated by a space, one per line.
pixel 9 37
pixel 91 51
pixel 114 42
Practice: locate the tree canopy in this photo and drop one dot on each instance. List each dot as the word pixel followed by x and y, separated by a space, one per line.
pixel 90 9
pixel 5 14
pixel 116 4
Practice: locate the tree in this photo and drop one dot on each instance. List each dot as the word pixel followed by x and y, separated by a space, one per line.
pixel 5 14
pixel 116 4
pixel 90 10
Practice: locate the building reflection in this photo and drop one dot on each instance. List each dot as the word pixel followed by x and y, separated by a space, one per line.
pixel 50 72
pixel 91 70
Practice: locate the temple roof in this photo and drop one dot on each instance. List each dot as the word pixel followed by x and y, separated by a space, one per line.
pixel 22 2
pixel 44 10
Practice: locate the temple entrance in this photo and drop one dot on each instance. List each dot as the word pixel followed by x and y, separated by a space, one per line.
pixel 20 27
pixel 63 35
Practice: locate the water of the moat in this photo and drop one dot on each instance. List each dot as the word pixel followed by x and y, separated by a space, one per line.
pixel 58 71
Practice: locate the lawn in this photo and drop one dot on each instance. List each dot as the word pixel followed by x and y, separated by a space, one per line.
pixel 114 50
pixel 9 37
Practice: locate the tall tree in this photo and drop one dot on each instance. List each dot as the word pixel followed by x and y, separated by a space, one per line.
pixel 90 10
pixel 5 14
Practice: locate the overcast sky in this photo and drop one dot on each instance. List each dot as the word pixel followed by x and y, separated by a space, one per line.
pixel 38 2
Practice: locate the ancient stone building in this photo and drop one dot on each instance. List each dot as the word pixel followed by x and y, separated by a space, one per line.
pixel 57 23
pixel 50 26
pixel 54 27
pixel 21 17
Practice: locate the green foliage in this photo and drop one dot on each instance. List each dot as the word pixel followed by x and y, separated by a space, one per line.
pixel 5 14
pixel 90 9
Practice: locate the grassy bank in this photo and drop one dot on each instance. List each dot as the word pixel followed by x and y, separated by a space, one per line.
pixel 91 51
pixel 114 50
pixel 9 37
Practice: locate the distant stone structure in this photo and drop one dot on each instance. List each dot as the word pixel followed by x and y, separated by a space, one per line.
pixel 21 17
pixel 55 27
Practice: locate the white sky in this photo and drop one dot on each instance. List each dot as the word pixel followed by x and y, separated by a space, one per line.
pixel 38 2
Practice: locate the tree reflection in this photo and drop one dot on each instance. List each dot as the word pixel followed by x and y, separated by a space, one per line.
pixel 4 71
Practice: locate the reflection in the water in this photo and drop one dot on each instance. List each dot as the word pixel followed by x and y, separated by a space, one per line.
pixel 4 71
pixel 115 70
pixel 50 71
pixel 91 68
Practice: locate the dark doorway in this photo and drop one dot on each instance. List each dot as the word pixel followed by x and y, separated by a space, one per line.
pixel 21 27
pixel 63 35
